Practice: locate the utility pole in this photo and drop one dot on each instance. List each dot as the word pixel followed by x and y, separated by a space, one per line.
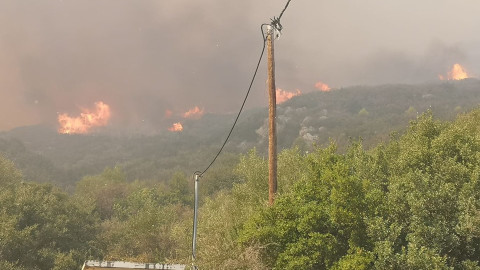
pixel 195 218
pixel 272 30
pixel 272 115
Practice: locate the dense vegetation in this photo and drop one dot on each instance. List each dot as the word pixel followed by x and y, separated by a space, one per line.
pixel 410 203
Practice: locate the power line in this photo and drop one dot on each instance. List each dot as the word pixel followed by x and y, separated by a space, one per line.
pixel 276 24
pixel 276 21
pixel 200 174
pixel 285 8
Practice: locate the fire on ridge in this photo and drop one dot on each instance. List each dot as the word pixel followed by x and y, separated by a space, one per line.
pixel 86 121
pixel 322 86
pixel 176 127
pixel 458 72
pixel 193 113
pixel 283 95
pixel 100 115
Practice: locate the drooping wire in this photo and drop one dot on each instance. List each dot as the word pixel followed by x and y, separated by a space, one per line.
pixel 243 104
pixel 276 24
pixel 200 174
pixel 285 8
pixel 276 21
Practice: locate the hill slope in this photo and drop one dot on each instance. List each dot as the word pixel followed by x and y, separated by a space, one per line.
pixel 369 112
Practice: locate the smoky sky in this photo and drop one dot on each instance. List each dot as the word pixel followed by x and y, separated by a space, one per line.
pixel 144 57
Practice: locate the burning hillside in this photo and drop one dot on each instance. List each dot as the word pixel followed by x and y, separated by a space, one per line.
pixel 87 120
pixel 283 95
pixel 194 113
pixel 322 87
pixel 458 72
pixel 176 127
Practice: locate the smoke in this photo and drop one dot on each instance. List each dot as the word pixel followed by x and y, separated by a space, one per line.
pixel 146 57
pixel 387 66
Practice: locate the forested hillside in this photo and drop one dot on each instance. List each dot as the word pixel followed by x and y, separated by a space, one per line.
pixel 410 203
pixel 341 115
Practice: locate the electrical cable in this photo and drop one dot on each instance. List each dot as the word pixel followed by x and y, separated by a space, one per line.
pixel 276 21
pixel 276 24
pixel 200 174
pixel 285 8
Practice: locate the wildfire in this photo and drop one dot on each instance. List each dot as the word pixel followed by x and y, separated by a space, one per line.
pixel 322 87
pixel 194 113
pixel 457 73
pixel 283 96
pixel 168 113
pixel 176 127
pixel 86 121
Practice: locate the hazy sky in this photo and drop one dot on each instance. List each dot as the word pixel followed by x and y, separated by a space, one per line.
pixel 143 57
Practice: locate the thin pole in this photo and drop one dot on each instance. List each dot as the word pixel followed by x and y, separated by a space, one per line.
pixel 272 111
pixel 195 217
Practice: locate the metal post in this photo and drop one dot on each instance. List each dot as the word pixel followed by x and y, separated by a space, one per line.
pixel 272 106
pixel 195 217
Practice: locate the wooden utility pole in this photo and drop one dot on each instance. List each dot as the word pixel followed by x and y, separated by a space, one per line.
pixel 272 112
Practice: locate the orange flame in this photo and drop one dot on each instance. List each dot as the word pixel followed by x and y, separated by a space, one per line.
pixel 322 87
pixel 194 113
pixel 457 73
pixel 86 121
pixel 283 96
pixel 168 113
pixel 176 127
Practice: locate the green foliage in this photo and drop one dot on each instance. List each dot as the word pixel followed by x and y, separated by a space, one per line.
pixel 363 112
pixel 253 172
pixel 145 236
pixel 43 229
pixel 139 222
pixel 316 223
pixel 430 169
pixel 9 175
pixel 178 190
pixel 411 111
pixel 34 166
pixel 221 176
pixel 103 190
pixel 222 217
pixel 358 260
pixel 291 165
pixel 6 265
pixel 410 204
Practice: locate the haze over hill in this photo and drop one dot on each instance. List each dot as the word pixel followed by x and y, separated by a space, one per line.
pixel 146 58
pixel 341 115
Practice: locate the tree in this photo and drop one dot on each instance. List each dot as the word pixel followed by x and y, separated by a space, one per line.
pixel 413 203
pixel 319 221
pixel 221 217
pixel 103 190
pixel 43 229
pixel 9 175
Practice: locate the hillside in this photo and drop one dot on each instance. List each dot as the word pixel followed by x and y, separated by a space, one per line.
pixel 367 112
